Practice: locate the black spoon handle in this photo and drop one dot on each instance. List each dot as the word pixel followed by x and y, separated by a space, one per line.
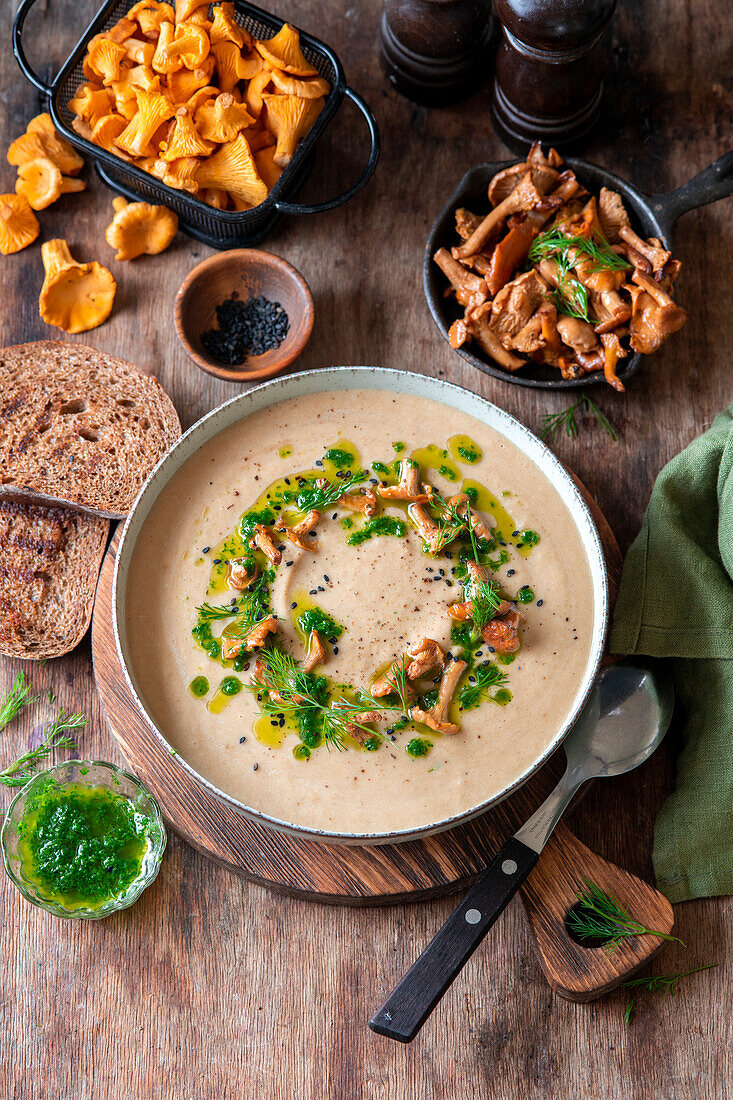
pixel 408 1007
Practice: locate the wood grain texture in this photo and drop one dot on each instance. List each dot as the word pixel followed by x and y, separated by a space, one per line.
pixel 211 987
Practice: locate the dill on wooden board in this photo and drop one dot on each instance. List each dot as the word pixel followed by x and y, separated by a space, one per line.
pixel 658 983
pixel 600 916
pixel 17 696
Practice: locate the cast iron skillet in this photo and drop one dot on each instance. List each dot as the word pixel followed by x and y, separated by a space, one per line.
pixel 651 216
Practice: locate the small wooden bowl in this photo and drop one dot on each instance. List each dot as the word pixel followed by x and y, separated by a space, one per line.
pixel 249 273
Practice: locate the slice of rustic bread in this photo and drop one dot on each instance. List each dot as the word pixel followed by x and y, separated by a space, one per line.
pixel 49 564
pixel 80 426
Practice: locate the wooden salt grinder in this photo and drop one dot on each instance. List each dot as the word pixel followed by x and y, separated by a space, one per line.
pixel 435 52
pixel 548 82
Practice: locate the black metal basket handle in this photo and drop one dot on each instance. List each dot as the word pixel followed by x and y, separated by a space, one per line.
pixel 18 23
pixel 374 150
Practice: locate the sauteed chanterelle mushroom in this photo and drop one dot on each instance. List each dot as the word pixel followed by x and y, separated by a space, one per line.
pixel 558 276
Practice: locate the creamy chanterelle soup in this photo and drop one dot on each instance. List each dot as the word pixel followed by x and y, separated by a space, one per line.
pixel 359 612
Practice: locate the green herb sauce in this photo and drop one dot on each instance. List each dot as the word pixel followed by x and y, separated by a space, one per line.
pixel 378 525
pixel 525 594
pixel 316 619
pixel 301 752
pixel 199 686
pixel 339 458
pixel 418 746
pixel 230 685
pixel 81 846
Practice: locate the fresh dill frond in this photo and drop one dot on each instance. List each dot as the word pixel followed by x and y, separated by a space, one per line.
pixel 554 423
pixel 301 697
pixel 253 607
pixel 22 770
pixel 571 296
pixel 571 299
pixel 658 983
pixel 321 497
pixel 250 609
pixel 480 682
pixel 451 523
pixel 553 243
pixel 600 916
pixel 17 696
pixel 485 600
pixel 209 613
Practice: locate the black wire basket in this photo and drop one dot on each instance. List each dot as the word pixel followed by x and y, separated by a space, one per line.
pixel 218 228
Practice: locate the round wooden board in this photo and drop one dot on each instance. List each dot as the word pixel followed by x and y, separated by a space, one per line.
pixel 374 875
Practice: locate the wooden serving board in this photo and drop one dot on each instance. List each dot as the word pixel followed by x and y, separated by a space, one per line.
pixel 389 873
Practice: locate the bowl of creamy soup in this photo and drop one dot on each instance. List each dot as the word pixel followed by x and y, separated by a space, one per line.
pixel 360 605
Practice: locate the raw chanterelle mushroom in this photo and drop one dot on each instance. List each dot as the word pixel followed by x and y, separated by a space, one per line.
pixel 139 229
pixel 74 297
pixel 553 276
pixel 19 226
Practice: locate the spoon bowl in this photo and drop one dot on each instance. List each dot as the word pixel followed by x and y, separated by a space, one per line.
pixel 626 716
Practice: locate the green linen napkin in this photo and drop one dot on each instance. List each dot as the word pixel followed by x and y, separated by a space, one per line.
pixel 676 602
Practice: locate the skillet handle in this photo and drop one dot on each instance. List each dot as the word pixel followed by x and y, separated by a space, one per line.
pixel 713 183
pixel 374 150
pixel 18 24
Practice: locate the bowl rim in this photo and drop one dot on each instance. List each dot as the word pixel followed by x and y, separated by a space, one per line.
pixel 245 257
pixel 155 855
pixel 380 378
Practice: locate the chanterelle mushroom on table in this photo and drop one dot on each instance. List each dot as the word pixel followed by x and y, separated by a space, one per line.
pixel 437 717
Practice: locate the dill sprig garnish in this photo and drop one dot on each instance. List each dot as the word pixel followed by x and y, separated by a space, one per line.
pixel 480 681
pixel 553 243
pixel 17 696
pixel 485 599
pixel 298 697
pixel 571 296
pixel 602 916
pixel 209 613
pixel 251 607
pixel 658 983
pixel 553 423
pixel 324 496
pixel 22 770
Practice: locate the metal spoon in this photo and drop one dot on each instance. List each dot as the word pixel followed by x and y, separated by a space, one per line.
pixel 627 715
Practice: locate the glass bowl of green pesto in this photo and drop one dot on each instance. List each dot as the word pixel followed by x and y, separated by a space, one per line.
pixel 83 839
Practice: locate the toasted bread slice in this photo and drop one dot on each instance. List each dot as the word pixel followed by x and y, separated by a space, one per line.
pixel 80 427
pixel 49 564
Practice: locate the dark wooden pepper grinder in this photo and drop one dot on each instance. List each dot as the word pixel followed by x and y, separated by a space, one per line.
pixel 548 82
pixel 436 52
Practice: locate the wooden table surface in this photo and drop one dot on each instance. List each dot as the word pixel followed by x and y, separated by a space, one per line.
pixel 209 987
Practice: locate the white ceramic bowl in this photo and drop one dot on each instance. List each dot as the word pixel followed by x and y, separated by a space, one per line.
pixel 376 378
